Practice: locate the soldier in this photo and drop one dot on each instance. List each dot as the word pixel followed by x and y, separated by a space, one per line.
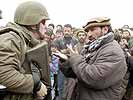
pixel 16 38
pixel 101 69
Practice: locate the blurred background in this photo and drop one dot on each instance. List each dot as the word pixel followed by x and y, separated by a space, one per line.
pixel 77 12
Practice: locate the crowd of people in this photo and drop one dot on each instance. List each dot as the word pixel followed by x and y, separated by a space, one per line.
pixel 94 62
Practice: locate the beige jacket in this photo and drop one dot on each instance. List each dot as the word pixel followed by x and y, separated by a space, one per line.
pixel 13 45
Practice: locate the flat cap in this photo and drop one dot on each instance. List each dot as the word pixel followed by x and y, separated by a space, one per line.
pixel 99 21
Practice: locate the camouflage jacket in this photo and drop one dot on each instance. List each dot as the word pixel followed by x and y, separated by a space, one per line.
pixel 14 40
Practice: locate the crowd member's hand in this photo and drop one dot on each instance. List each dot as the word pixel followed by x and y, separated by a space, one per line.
pixel 60 55
pixel 71 50
pixel 64 51
pixel 42 92
pixel 76 49
pixel 125 42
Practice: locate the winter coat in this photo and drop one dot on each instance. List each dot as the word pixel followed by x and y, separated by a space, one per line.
pixel 101 75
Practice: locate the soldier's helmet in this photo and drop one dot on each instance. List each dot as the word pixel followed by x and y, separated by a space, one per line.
pixel 99 21
pixel 30 13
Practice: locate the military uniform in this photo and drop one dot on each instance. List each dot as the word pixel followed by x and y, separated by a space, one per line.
pixel 15 40
pixel 12 75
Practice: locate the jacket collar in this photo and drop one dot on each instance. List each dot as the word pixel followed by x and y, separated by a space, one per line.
pixel 30 40
pixel 109 37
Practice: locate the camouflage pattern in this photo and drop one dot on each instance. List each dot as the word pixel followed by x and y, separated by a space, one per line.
pixel 13 47
pixel 16 39
pixel 30 13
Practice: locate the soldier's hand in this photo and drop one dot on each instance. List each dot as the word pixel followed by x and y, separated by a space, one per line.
pixel 42 92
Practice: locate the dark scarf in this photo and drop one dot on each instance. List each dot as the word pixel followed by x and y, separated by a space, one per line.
pixel 95 45
pixel 98 42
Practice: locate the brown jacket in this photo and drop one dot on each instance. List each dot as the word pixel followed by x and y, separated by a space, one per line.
pixel 12 55
pixel 102 76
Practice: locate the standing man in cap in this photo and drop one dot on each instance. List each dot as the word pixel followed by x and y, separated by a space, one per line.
pixel 81 36
pixel 15 39
pixel 101 69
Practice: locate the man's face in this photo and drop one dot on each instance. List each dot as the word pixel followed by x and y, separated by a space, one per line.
pixel 67 31
pixel 42 29
pixel 123 43
pixel 126 34
pixel 59 34
pixel 97 32
pixel 51 27
pixel 81 37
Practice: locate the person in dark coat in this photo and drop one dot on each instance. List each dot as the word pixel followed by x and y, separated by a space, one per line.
pixel 101 69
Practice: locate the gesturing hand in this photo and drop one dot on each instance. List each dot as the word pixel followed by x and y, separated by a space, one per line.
pixel 71 50
pixel 60 55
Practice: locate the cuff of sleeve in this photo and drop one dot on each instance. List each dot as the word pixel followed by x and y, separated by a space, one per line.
pixel 38 87
pixel 75 59
pixel 37 83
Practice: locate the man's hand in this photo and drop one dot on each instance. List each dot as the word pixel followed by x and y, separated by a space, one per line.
pixel 60 55
pixel 42 92
pixel 64 51
pixel 71 50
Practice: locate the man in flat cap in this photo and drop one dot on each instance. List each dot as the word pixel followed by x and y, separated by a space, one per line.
pixel 81 36
pixel 101 69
